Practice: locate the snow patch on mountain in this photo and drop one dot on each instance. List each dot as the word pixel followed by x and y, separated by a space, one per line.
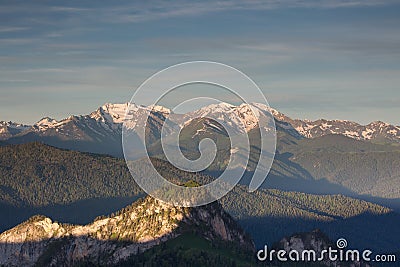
pixel 8 129
pixel 242 118
pixel 107 120
pixel 46 123
pixel 378 129
pixel 12 125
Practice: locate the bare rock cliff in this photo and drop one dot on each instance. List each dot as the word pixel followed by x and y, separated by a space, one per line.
pixel 109 240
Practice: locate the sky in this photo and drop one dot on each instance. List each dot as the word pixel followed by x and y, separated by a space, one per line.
pixel 337 59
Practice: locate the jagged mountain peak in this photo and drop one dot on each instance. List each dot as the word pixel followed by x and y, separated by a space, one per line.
pixel 221 106
pixel 132 230
pixel 46 120
pixel 8 129
pixel 244 116
pixel 378 123
pixel 316 241
pixel 105 125
pixel 46 123
pixel 110 113
pixel 321 127
pixel 161 109
pixel 12 124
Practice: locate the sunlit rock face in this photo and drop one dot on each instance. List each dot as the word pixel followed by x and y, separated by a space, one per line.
pixel 109 240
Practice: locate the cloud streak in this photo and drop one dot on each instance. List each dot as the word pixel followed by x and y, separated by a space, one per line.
pixel 140 11
pixel 13 29
pixel 146 12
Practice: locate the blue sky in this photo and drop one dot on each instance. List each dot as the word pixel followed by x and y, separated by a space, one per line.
pixel 312 59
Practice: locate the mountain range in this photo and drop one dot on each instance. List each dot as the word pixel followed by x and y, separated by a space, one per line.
pixel 322 156
pixel 90 132
pixel 328 174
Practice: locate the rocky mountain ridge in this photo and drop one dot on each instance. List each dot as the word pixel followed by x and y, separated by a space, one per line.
pixel 109 240
pixel 316 241
pixel 105 124
pixel 9 129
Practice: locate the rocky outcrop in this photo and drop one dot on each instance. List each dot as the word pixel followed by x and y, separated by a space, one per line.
pixel 109 240
pixel 317 241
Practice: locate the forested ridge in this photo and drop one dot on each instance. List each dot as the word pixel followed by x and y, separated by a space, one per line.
pixel 37 175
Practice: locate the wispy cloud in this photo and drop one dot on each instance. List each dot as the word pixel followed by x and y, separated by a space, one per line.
pixel 146 12
pixel 54 35
pixel 139 11
pixel 47 70
pixel 17 41
pixel 13 29
pixel 68 9
pixel 14 81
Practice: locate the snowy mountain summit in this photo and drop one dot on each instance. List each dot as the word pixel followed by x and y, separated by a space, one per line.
pixel 101 129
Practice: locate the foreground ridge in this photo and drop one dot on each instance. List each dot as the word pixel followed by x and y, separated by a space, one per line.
pixel 109 240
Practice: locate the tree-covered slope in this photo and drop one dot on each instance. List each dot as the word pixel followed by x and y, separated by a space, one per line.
pixel 269 214
pixel 76 187
pixel 358 166
pixel 35 174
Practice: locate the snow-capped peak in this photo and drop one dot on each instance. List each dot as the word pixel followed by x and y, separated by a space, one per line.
pixel 47 122
pixel 241 118
pixel 244 117
pixel 215 108
pixel 378 124
pixel 111 113
pixel 8 129
pixel 161 109
pixel 13 125
pixel 115 113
